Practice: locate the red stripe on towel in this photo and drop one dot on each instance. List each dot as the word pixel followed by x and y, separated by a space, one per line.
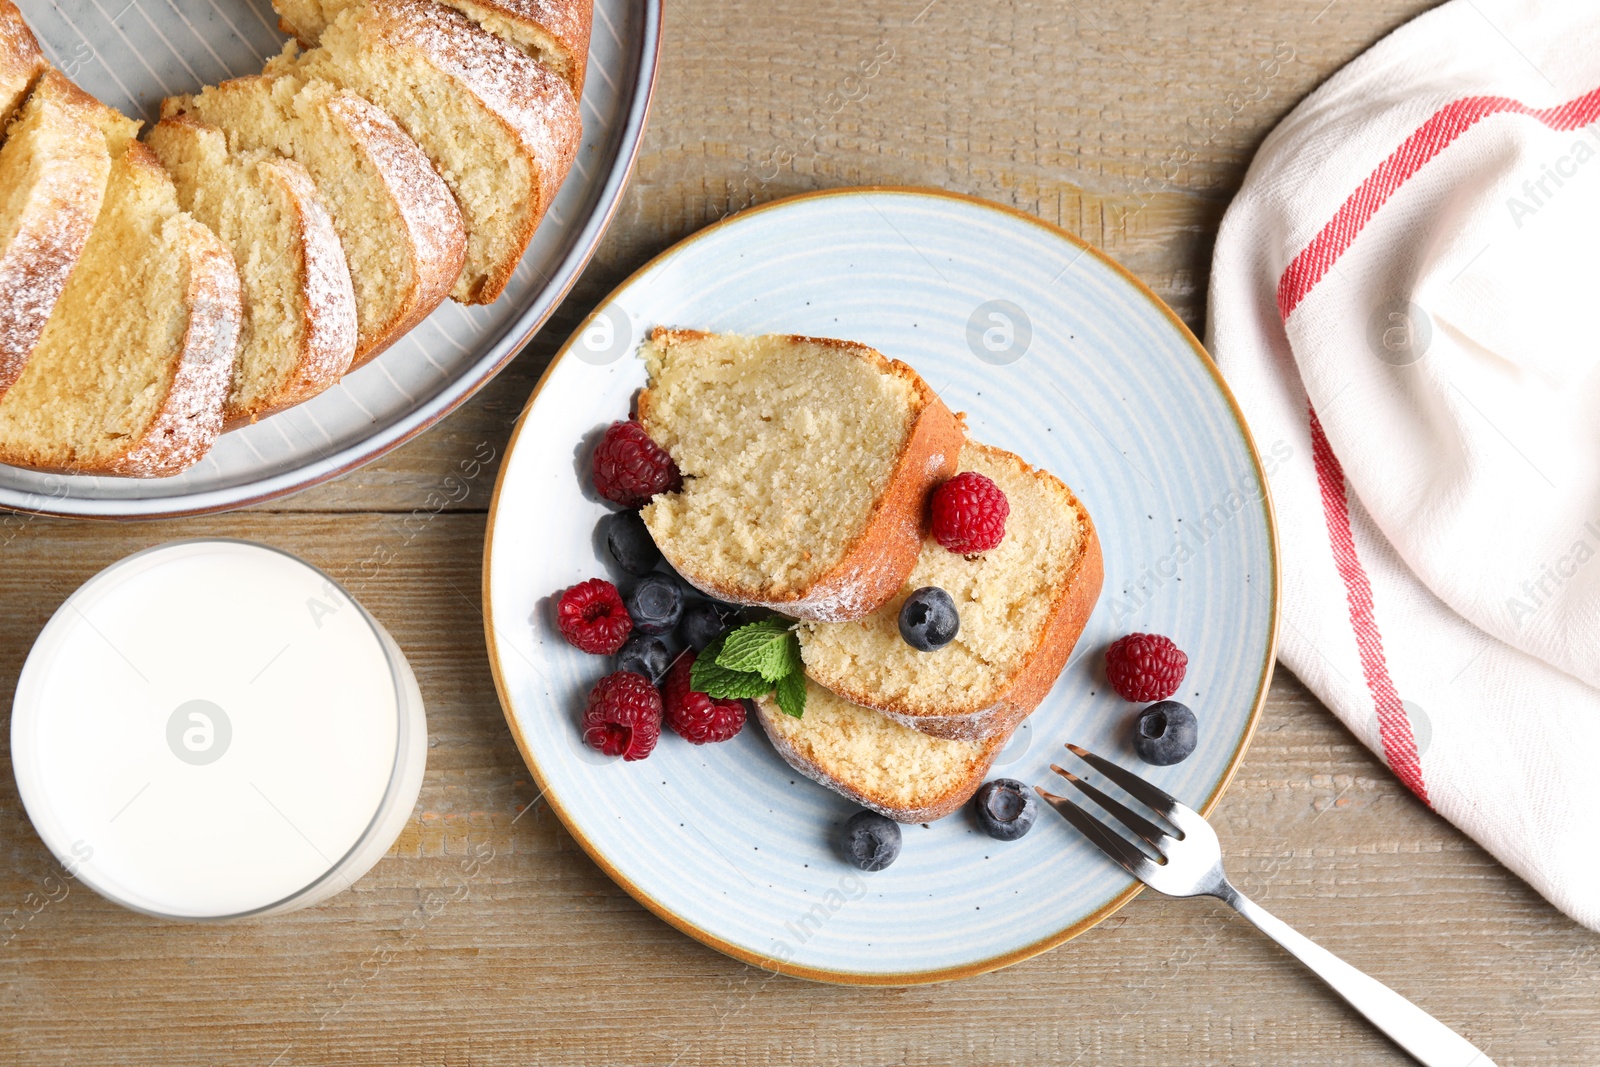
pixel 1431 138
pixel 1399 744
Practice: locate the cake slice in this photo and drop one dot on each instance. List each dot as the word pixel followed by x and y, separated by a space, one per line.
pixel 397 222
pixel 555 32
pixel 53 169
pixel 298 331
pixel 20 61
pixel 132 369
pixel 894 770
pixel 806 468
pixel 1022 607
pixel 500 127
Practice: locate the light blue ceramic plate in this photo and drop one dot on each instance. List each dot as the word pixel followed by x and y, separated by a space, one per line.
pixel 1054 352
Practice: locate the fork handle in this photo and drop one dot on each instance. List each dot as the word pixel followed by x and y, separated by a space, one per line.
pixel 1428 1040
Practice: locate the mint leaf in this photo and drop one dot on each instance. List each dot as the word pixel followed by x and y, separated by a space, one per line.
pixel 769 648
pixel 791 694
pixel 711 678
pixel 724 684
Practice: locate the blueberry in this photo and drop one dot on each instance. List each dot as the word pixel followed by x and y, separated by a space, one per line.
pixel 871 841
pixel 630 543
pixel 928 619
pixel 1006 808
pixel 1165 733
pixel 646 655
pixel 656 604
pixel 706 621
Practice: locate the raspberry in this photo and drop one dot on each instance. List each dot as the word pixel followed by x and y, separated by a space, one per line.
pixel 623 717
pixel 592 616
pixel 969 513
pixel 696 717
pixel 629 468
pixel 1145 667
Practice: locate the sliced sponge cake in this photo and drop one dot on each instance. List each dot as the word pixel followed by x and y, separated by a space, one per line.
pixel 1022 607
pixel 500 127
pixel 20 60
pixel 53 170
pixel 299 327
pixel 873 760
pixel 556 32
pixel 397 222
pixel 132 369
pixel 806 468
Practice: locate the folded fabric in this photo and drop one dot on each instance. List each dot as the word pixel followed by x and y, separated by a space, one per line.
pixel 1403 300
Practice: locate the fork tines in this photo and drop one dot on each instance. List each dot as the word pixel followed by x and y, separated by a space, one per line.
pixel 1129 858
pixel 1148 831
pixel 1162 803
pixel 1135 860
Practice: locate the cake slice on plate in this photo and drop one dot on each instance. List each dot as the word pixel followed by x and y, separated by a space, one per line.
pixel 806 468
pixel 54 165
pixel 894 770
pixel 298 332
pixel 1022 607
pixel 133 366
pixel 397 221
pixel 501 128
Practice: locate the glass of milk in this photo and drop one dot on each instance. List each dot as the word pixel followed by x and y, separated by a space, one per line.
pixel 214 729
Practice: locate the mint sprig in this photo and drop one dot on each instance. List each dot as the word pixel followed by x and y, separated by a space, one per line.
pixel 769 648
pixel 752 661
pixel 713 679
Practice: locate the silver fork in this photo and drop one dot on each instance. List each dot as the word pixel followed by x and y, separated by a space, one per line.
pixel 1188 863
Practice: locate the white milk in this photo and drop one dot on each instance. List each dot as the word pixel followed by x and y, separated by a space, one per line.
pixel 213 729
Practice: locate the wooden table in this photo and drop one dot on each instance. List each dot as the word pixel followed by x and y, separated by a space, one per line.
pixel 1070 109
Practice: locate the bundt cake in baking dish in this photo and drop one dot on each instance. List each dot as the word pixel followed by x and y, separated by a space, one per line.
pixel 273 231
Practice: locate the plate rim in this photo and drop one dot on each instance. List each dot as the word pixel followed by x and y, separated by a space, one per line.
pixel 879 978
pixel 516 338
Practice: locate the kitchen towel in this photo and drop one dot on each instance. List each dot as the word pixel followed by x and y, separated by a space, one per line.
pixel 1403 299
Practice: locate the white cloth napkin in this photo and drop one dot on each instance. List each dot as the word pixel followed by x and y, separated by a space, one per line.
pixel 1404 299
